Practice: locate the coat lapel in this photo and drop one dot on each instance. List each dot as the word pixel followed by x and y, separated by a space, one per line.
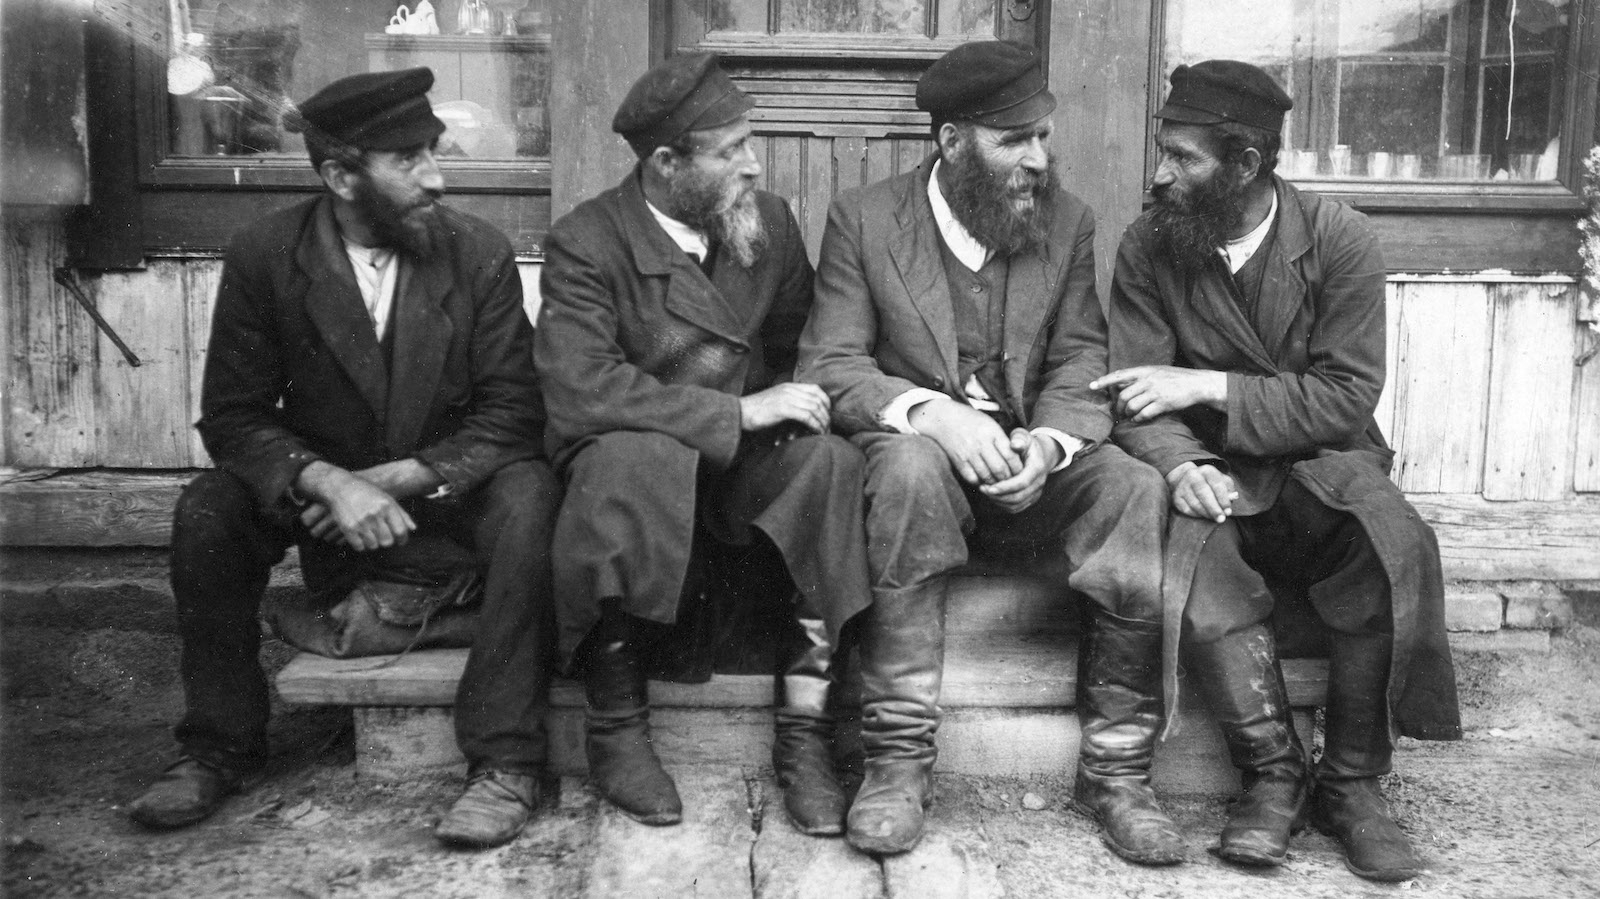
pixel 421 344
pixel 1283 289
pixel 1031 286
pixel 690 294
pixel 914 248
pixel 1212 299
pixel 333 302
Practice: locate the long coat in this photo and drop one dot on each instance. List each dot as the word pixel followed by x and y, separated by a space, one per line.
pixel 887 248
pixel 295 372
pixel 634 337
pixel 1304 375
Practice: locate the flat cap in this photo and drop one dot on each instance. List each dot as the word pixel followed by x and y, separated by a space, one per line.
pixel 372 111
pixel 995 83
pixel 1225 90
pixel 682 94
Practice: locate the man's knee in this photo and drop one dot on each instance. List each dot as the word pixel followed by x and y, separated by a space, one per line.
pixel 624 454
pixel 215 502
pixel 906 465
pixel 527 485
pixel 825 457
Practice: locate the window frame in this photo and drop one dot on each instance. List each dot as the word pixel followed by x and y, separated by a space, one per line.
pixel 1562 197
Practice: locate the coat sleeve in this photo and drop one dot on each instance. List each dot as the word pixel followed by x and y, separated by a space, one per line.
pixel 780 332
pixel 241 423
pixel 1330 403
pixel 591 387
pixel 840 338
pixel 1141 335
pixel 506 415
pixel 1076 350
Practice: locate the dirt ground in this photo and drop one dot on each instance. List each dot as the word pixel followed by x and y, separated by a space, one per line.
pixel 1511 811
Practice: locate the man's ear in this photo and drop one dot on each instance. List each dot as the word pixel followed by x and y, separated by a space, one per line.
pixel 949 139
pixel 339 179
pixel 664 160
pixel 1249 165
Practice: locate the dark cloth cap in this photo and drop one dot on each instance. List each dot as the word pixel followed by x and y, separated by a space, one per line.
pixel 1224 90
pixel 372 111
pixel 682 94
pixel 995 83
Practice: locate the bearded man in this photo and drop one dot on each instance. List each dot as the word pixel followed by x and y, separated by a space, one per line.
pixel 666 342
pixel 368 385
pixel 957 330
pixel 1247 330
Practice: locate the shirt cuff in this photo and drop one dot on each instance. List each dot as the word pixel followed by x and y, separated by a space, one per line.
pixel 897 415
pixel 1068 443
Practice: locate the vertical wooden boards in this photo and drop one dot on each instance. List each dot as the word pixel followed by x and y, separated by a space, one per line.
pixel 1441 339
pixel 783 171
pixel 599 48
pixel 1586 423
pixel 881 159
pixel 816 191
pixel 49 385
pixel 531 298
pixel 143 412
pixel 1394 296
pixel 1530 392
pixel 201 277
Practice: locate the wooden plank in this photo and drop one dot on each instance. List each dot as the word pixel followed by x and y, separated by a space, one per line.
pixel 1530 393
pixel 90 509
pixel 143 411
pixel 850 161
pixel 200 282
pixel 1468 241
pixel 1442 338
pixel 706 855
pixel 1484 540
pixel 604 48
pixel 49 385
pixel 1586 420
pixel 817 180
pixel 783 170
pixel 1394 306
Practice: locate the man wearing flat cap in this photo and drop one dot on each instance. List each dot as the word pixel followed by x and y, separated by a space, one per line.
pixel 957 330
pixel 368 390
pixel 672 304
pixel 1247 338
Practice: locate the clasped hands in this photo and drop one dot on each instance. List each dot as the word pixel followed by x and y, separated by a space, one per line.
pixel 1010 469
pixel 361 509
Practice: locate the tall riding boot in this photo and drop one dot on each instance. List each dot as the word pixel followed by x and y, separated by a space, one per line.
pixel 1243 683
pixel 802 746
pixel 622 763
pixel 902 665
pixel 1348 805
pixel 1119 705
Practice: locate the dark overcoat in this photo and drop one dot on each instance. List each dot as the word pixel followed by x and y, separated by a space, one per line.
pixel 295 372
pixel 634 337
pixel 864 354
pixel 1304 376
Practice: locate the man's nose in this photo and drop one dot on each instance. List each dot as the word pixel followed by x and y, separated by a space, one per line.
pixel 1166 173
pixel 749 165
pixel 1036 156
pixel 427 173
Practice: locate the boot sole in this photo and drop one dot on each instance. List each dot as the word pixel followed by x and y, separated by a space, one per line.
pixel 1397 875
pixel 1160 860
pixel 871 847
pixel 654 819
pixel 1250 859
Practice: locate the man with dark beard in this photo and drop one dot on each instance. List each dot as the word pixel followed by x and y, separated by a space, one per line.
pixel 957 329
pixel 672 305
pixel 1247 334
pixel 368 396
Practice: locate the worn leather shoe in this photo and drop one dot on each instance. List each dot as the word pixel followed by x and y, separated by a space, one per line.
pixel 802 759
pixel 887 815
pixel 623 766
pixel 186 793
pixel 1132 822
pixel 491 811
pixel 1262 820
pixel 1353 812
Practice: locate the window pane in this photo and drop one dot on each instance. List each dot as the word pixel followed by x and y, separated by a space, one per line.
pixel 1460 90
pixel 966 18
pixel 908 17
pixel 236 65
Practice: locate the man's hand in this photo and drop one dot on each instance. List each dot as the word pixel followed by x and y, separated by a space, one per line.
pixel 1147 391
pixel 366 517
pixel 1201 491
pixel 979 449
pixel 1040 455
pixel 402 478
pixel 803 403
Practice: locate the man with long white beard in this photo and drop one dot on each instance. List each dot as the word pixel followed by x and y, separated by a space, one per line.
pixel 957 329
pixel 672 306
pixel 1247 330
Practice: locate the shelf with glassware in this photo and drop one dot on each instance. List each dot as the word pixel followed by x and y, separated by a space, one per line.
pixel 492 90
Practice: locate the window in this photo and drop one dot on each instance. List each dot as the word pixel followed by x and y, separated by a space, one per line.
pixel 1387 92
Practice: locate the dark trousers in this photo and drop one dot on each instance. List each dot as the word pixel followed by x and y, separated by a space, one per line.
pixel 626 530
pixel 1297 542
pixel 1106 512
pixel 224 546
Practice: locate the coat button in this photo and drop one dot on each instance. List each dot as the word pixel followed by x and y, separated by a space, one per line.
pixel 977 288
pixel 938 383
pixel 741 350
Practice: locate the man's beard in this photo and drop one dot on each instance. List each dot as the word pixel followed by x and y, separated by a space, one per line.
pixel 402 226
pixel 724 211
pixel 989 208
pixel 1193 227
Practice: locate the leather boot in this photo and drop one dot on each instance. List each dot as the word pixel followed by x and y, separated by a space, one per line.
pixel 622 762
pixel 1120 709
pixel 1243 683
pixel 1358 750
pixel 902 665
pixel 802 746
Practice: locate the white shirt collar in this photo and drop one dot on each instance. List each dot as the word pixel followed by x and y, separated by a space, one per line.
pixel 966 248
pixel 688 239
pixel 1238 252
